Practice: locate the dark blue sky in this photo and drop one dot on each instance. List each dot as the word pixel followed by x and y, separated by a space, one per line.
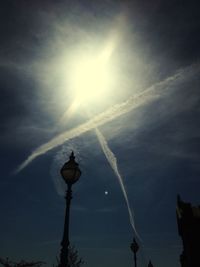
pixel 156 144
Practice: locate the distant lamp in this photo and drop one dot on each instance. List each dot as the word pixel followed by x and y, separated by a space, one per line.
pixel 135 248
pixel 71 174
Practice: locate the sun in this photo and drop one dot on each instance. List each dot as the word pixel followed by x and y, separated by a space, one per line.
pixel 90 79
pixel 91 76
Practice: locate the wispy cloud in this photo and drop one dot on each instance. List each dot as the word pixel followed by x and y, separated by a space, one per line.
pixel 150 94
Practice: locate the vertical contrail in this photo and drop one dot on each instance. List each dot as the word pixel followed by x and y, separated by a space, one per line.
pixel 113 163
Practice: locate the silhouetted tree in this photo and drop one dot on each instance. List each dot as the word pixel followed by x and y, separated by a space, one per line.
pixel 8 263
pixel 74 259
pixel 150 264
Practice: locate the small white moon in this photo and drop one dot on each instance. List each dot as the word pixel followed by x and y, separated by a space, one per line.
pixel 106 192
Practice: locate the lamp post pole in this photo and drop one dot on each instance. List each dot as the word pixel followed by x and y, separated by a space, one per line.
pixel 65 241
pixel 70 173
pixel 135 248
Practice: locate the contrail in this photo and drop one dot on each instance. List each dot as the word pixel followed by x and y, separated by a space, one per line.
pixel 113 163
pixel 112 160
pixel 112 113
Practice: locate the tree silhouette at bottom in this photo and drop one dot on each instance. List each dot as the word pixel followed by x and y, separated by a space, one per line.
pixel 74 261
pixel 8 263
pixel 73 258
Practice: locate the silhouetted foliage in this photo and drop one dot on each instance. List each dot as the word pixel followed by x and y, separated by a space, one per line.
pixel 8 263
pixel 150 264
pixel 74 259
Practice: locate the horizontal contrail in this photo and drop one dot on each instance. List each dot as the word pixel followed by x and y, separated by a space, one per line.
pixel 106 116
pixel 113 163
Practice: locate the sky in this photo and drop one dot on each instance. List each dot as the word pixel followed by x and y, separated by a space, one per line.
pixel 135 133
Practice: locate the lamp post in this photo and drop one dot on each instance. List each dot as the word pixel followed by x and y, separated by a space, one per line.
pixel 70 173
pixel 135 248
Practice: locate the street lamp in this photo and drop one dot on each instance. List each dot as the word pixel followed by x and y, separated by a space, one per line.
pixel 135 248
pixel 70 173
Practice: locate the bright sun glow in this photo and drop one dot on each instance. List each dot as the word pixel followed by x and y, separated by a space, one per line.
pixel 91 76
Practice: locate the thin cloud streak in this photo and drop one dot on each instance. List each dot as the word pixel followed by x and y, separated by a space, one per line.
pixel 150 94
pixel 113 163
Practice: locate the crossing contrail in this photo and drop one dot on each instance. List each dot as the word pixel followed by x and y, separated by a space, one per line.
pixel 110 114
pixel 112 160
pixel 113 163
